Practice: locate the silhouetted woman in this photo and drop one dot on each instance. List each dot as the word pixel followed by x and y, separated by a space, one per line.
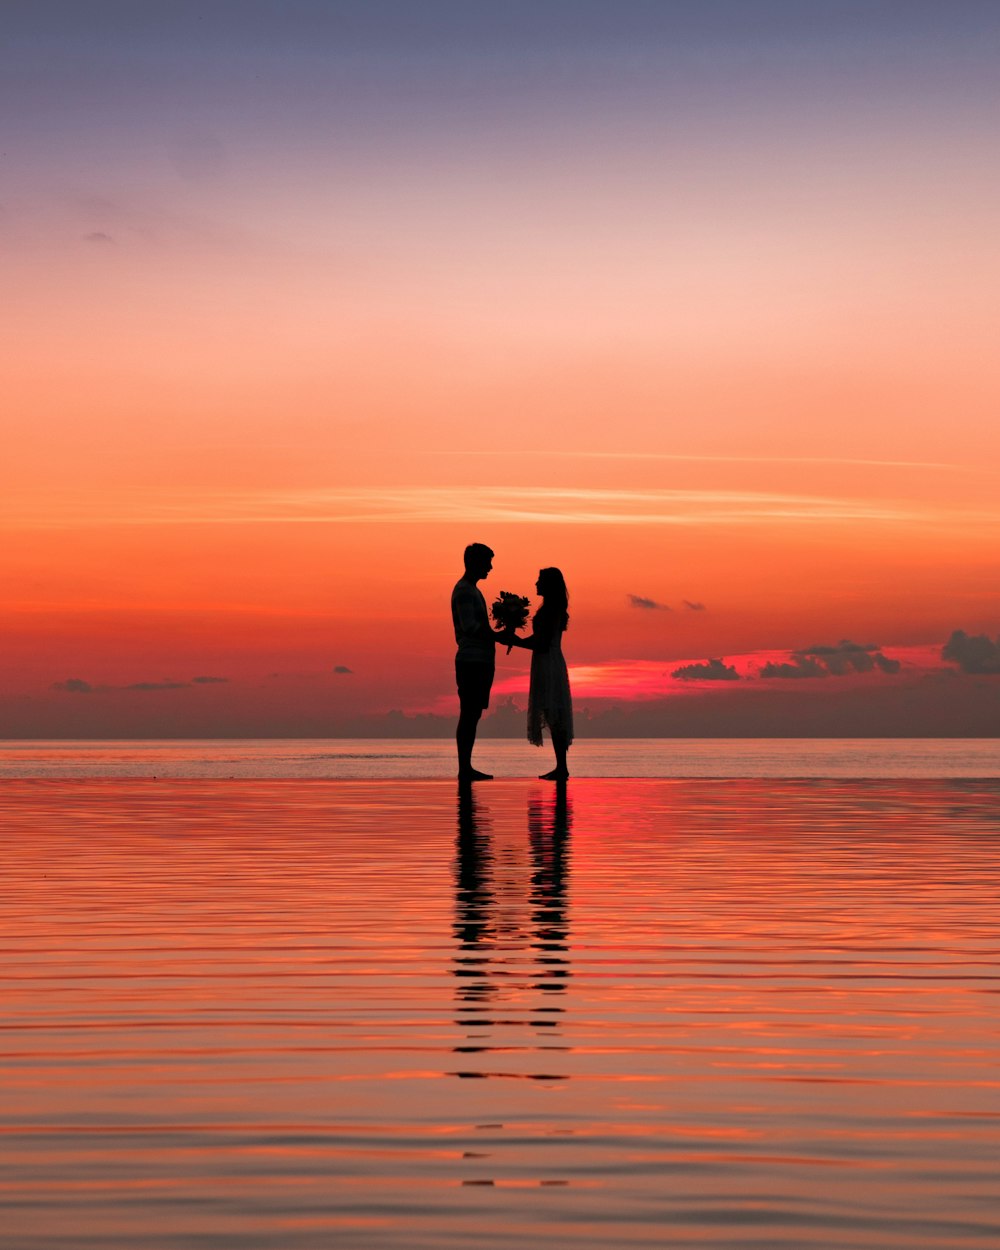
pixel 549 701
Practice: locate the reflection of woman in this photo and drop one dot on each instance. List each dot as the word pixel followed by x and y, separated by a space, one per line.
pixel 549 824
pixel 549 701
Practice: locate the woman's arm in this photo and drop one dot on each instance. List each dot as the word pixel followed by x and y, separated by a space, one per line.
pixel 540 640
pixel 528 644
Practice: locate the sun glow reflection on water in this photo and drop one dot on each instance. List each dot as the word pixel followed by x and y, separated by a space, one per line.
pixel 305 1013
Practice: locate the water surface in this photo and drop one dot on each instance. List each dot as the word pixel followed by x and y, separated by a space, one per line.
pixel 380 759
pixel 305 1014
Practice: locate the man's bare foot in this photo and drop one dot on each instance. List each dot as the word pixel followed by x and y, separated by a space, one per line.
pixel 473 774
pixel 557 774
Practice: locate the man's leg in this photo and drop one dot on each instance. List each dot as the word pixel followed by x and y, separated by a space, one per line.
pixel 474 681
pixel 465 737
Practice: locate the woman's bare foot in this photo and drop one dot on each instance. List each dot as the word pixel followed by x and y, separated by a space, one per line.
pixel 473 774
pixel 557 774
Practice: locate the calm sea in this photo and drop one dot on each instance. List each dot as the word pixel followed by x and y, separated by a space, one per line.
pixel 304 1013
pixel 411 759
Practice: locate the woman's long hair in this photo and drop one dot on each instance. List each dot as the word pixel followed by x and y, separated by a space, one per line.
pixel 555 596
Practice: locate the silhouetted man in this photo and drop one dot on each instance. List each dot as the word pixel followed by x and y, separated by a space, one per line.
pixel 476 657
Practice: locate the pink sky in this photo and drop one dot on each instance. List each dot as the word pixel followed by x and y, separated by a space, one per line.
pixel 700 311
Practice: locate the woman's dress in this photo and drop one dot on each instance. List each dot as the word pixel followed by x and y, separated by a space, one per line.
pixel 549 701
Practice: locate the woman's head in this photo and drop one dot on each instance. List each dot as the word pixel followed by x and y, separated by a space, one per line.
pixel 551 585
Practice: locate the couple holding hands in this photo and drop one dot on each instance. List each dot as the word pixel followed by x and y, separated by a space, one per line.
pixel 548 693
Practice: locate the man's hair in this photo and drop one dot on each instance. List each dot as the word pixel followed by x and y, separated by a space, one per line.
pixel 477 553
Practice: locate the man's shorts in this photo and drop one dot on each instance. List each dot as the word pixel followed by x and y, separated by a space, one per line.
pixel 474 679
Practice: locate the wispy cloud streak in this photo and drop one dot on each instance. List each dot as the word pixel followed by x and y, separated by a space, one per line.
pixel 512 504
pixel 696 458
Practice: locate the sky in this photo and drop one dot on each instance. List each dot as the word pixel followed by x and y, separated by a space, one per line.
pixel 696 301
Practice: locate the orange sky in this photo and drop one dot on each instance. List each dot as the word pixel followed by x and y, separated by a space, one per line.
pixel 280 345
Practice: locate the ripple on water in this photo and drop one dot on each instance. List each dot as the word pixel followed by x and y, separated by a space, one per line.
pixel 296 1014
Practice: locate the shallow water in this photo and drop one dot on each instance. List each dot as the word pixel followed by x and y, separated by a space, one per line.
pixel 313 1014
pixel 379 759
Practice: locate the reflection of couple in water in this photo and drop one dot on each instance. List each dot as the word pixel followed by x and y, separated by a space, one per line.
pixel 549 702
pixel 511 918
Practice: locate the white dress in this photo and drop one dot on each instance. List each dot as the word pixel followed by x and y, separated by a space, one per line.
pixel 549 701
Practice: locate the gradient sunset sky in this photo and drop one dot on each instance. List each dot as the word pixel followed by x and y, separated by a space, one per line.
pixel 696 300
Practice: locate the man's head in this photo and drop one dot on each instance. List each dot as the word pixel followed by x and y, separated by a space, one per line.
pixel 478 561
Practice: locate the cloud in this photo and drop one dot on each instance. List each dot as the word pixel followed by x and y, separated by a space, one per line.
pixel 974 653
pixel 685 457
pixel 648 605
pixel 97 236
pixel 846 657
pixel 840 663
pixel 166 684
pixel 538 505
pixel 713 670
pixel 801 667
pixel 828 660
pixel 76 685
pixel 693 607
pixel 342 668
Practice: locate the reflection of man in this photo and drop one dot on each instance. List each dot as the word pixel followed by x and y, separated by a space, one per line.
pixel 474 662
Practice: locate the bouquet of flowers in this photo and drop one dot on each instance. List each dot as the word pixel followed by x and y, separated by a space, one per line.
pixel 510 611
